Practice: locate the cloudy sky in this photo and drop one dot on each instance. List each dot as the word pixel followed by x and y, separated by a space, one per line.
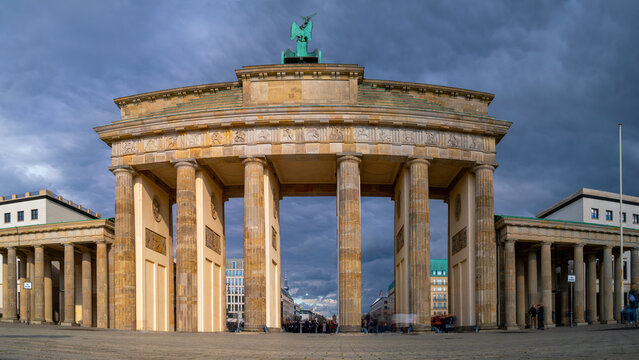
pixel 564 72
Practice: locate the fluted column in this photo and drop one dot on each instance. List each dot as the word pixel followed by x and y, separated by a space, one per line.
pixel 510 284
pixel 101 285
pixel 546 283
pixel 418 244
pixel 38 285
pixel 591 289
pixel 23 292
pixel 254 245
pixel 618 295
pixel 579 299
pixel 533 296
pixel 48 292
pixel 186 247
pixel 485 248
pixel 521 293
pixel 10 307
pixel 87 290
pixel 69 285
pixel 606 279
pixel 634 266
pixel 124 249
pixel 349 243
pixel 30 293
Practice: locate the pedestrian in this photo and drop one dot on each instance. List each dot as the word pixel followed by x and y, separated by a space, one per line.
pixel 532 312
pixel 540 316
pixel 633 303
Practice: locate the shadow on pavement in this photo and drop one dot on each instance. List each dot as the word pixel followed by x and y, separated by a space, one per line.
pixel 34 336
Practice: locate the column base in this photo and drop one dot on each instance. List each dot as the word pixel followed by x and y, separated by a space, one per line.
pixel 68 324
pixel 608 322
pixel 37 322
pixel 581 324
pixel 421 329
pixel 512 327
pixel 550 326
pixel 350 329
pixel 274 329
pixel 253 328
pixel 11 321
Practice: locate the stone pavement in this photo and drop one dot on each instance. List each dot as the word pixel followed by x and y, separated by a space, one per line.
pixel 19 341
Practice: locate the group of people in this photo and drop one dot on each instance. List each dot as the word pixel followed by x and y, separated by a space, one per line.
pixel 311 326
pixel 537 316
pixel 374 326
pixel 630 311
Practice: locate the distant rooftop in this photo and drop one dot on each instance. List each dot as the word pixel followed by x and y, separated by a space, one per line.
pixel 590 194
pixel 44 193
pixel 438 264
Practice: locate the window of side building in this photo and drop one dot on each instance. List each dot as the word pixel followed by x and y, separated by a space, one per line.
pixel 20 215
pixel 7 218
pixel 594 213
pixel 623 217
pixel 635 218
pixel 34 214
pixel 609 215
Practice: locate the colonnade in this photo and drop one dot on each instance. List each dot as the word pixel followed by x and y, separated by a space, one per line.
pixel 36 266
pixel 533 271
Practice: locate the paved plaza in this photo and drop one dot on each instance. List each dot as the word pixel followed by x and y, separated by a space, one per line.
pixel 19 341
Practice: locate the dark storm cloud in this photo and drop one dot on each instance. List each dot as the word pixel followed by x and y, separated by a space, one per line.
pixel 565 72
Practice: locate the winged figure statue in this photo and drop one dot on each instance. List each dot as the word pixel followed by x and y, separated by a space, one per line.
pixel 301 33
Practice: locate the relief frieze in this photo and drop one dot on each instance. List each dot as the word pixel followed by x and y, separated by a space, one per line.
pixel 399 240
pixel 311 134
pixel 264 136
pixel 459 241
pixel 362 134
pixel 154 241
pixel 213 240
pixel 336 133
pixel 240 137
pixel 287 135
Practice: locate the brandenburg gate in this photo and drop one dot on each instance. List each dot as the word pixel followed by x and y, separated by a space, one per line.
pixel 297 130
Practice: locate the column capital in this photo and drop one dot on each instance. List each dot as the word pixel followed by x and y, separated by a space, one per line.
pixel 419 160
pixel 68 244
pixel 122 169
pixel 257 159
pixel 479 166
pixel 37 246
pixel 349 156
pixel 510 241
pixel 578 245
pixel 546 243
pixel 185 162
pixel 606 247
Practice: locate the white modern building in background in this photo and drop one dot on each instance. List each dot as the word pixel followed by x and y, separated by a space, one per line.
pixel 36 208
pixel 234 290
pixel 598 207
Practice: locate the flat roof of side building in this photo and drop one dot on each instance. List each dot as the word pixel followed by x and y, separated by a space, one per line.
pixel 589 194
pixel 49 195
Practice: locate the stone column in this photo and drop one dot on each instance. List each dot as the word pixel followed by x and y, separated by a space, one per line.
pixel 533 296
pixel 634 266
pixel 606 280
pixel 23 293
pixel 563 316
pixel 418 240
pixel 186 247
pixel 618 295
pixel 38 285
pixel 521 293
pixel 546 283
pixel 579 304
pixel 10 307
pixel 31 293
pixel 69 285
pixel 101 284
pixel 111 287
pixel 124 249
pixel 591 296
pixel 510 285
pixel 48 292
pixel 254 245
pixel 87 290
pixel 349 243
pixel 485 248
